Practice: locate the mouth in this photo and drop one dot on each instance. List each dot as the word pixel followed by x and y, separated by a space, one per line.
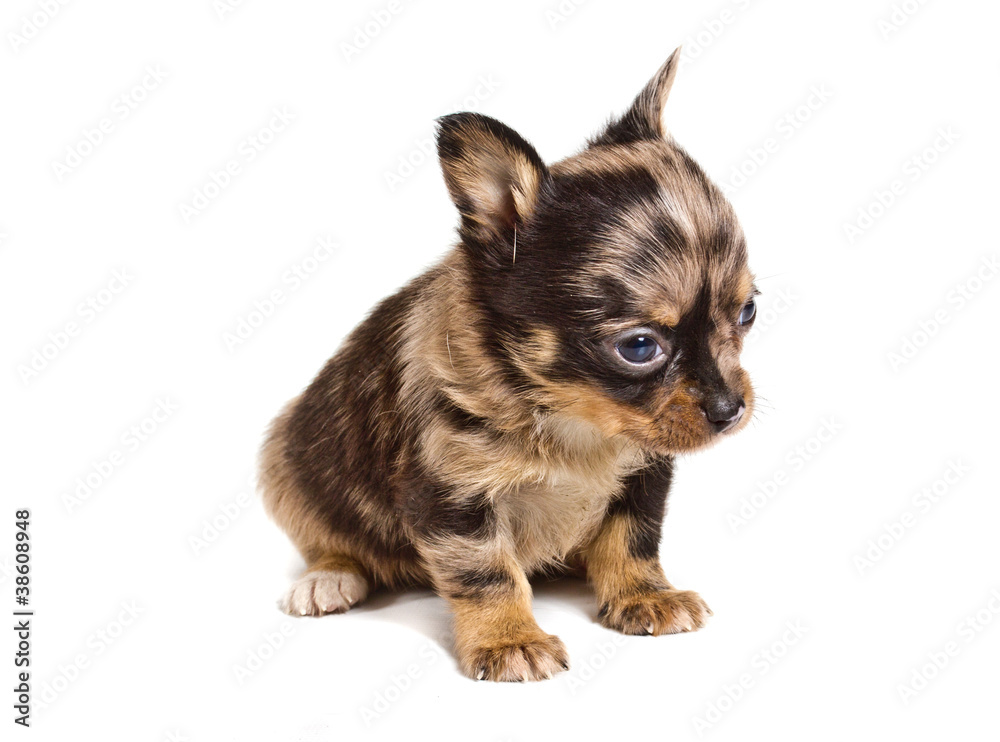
pixel 686 428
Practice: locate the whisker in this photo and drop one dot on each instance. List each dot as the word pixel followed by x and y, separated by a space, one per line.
pixel 448 343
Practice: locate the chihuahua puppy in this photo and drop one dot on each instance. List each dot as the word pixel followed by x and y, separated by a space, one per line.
pixel 516 409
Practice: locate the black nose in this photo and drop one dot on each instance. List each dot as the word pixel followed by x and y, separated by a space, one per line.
pixel 724 413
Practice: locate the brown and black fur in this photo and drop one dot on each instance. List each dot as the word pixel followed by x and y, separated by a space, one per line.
pixel 480 426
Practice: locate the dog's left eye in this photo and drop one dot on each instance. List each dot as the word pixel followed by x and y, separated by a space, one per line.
pixel 639 349
pixel 748 313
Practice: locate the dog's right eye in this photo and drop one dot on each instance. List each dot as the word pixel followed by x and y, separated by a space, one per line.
pixel 748 312
pixel 639 349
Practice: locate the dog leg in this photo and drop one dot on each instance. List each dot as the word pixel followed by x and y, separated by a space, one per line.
pixel 623 563
pixel 496 636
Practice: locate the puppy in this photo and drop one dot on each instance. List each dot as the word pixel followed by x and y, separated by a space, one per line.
pixel 516 409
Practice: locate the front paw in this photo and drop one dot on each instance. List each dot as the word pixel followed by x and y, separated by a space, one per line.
pixel 531 659
pixel 656 612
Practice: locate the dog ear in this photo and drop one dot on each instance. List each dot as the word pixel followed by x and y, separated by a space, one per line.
pixel 644 120
pixel 494 175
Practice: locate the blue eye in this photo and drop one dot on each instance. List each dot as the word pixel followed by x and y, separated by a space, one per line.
pixel 748 313
pixel 639 349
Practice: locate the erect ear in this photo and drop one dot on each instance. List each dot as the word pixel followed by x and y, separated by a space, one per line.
pixel 494 176
pixel 644 120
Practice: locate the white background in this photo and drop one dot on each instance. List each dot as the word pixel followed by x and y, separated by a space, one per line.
pixel 835 309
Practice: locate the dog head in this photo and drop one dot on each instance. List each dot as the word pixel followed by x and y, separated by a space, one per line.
pixel 613 285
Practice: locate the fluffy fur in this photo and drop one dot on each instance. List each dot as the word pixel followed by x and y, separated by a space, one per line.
pixel 482 426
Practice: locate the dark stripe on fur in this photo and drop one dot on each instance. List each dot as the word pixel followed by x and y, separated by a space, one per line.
pixel 644 501
pixel 433 514
pixel 481 582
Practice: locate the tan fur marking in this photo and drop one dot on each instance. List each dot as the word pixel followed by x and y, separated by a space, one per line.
pixel 745 284
pixel 612 160
pixel 542 348
pixel 668 316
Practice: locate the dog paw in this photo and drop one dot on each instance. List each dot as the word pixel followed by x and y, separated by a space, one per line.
pixel 319 593
pixel 656 612
pixel 536 659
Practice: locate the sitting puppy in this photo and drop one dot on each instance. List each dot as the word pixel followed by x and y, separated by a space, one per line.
pixel 516 409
